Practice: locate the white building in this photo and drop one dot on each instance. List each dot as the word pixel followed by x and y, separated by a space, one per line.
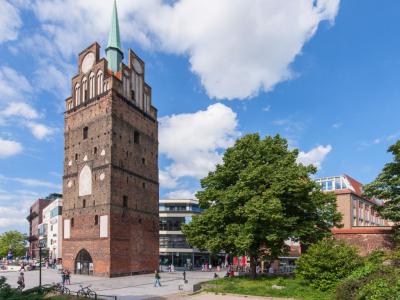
pixel 52 221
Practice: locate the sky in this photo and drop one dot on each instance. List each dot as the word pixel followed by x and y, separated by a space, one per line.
pixel 322 73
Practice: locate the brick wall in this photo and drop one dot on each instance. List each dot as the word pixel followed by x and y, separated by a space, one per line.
pixel 367 239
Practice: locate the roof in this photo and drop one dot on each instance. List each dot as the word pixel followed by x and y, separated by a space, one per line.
pixel 356 185
pixel 114 39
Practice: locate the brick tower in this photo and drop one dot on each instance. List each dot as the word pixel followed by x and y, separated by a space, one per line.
pixel 110 182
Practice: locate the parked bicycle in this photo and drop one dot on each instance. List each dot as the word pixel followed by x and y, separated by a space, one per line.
pixel 61 289
pixel 86 292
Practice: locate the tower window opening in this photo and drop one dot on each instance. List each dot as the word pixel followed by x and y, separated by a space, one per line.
pixel 85 133
pixel 76 156
pixel 96 220
pixel 84 203
pixel 136 137
pixel 95 150
pixel 125 201
pixel 72 222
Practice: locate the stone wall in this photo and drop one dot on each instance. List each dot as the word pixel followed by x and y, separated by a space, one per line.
pixel 367 239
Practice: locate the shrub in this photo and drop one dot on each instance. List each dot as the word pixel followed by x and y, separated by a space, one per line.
pixel 371 283
pixel 326 263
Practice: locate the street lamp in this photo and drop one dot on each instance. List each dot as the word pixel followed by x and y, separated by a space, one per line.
pixel 41 246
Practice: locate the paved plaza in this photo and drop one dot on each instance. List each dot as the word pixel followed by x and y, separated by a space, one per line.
pixel 126 288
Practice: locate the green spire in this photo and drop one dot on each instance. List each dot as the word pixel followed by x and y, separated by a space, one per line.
pixel 114 49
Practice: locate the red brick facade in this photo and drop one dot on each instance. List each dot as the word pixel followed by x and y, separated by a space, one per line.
pixel 35 218
pixel 111 133
pixel 367 239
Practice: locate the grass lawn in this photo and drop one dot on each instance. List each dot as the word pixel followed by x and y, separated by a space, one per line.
pixel 294 288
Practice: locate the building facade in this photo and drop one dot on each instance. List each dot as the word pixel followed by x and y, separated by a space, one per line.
pixel 110 183
pixel 35 219
pixel 362 226
pixel 357 210
pixel 52 229
pixel 174 249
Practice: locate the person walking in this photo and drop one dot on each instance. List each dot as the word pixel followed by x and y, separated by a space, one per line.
pixel 63 277
pixel 157 278
pixel 21 281
pixel 67 277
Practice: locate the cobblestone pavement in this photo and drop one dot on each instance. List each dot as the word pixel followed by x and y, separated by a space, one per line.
pixel 126 288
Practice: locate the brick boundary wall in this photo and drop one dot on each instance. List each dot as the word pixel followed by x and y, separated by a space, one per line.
pixel 367 239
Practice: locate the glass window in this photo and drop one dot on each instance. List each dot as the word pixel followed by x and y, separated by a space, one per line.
pixel 337 183
pixel 57 211
pixel 171 223
pixel 329 185
pixel 173 241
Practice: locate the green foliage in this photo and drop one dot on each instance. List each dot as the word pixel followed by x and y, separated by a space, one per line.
pixel 14 240
pixel 387 187
pixel 8 293
pixel 371 282
pixel 293 288
pixel 258 198
pixel 326 263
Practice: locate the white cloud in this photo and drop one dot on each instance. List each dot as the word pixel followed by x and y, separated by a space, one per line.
pixel 13 85
pixel 10 217
pixel 267 108
pixel 10 21
pixel 9 148
pixel 30 182
pixel 236 47
pixel 20 109
pixel 337 125
pixel 181 194
pixel 315 156
pixel 40 131
pixel 166 180
pixel 194 141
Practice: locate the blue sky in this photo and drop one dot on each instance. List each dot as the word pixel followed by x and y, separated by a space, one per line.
pixel 324 74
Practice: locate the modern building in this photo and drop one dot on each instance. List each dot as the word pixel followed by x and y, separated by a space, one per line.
pixel 110 183
pixel 174 249
pixel 356 210
pixel 362 226
pixel 35 219
pixel 52 229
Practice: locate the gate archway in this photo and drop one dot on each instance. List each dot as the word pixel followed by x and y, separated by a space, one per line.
pixel 84 263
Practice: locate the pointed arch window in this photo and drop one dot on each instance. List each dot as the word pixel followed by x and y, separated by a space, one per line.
pixel 77 94
pixel 92 87
pixel 100 78
pixel 84 89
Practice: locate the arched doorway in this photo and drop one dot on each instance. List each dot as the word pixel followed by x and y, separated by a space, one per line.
pixel 83 263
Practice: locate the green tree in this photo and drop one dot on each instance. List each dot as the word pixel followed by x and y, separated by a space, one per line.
pixel 258 198
pixel 326 263
pixel 14 240
pixel 387 187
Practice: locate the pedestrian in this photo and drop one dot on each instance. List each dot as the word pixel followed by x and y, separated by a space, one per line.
pixel 67 277
pixel 22 267
pixel 157 278
pixel 21 281
pixel 172 268
pixel 63 277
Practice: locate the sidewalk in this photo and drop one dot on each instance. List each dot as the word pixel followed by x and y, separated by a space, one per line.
pixel 127 288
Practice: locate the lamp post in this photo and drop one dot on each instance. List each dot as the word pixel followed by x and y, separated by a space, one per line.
pixel 41 246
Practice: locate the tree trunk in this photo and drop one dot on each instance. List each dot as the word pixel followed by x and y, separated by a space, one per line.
pixel 253 267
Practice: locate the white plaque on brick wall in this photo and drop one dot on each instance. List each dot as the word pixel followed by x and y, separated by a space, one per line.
pixel 85 181
pixel 103 226
pixel 67 229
